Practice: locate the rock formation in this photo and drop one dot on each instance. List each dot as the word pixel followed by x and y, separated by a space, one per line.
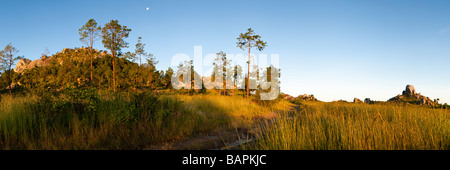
pixel 77 54
pixel 26 64
pixel 368 101
pixel 21 65
pixel 356 100
pixel 410 90
pixel 288 97
pixel 410 96
pixel 307 97
pixel 302 97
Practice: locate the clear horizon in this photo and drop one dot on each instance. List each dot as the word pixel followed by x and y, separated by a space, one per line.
pixel 334 49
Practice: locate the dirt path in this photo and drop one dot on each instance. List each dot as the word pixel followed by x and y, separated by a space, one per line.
pixel 214 141
pixel 224 140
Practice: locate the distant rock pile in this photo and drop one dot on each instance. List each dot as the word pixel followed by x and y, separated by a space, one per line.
pixel 307 97
pixel 356 100
pixel 303 97
pixel 410 95
pixel 369 101
pixel 288 97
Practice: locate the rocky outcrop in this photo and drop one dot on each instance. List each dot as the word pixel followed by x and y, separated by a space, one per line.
pixel 306 97
pixel 410 90
pixel 299 98
pixel 21 65
pixel 26 64
pixel 356 100
pixel 288 97
pixel 409 95
pixel 368 101
pixel 44 61
pixel 77 54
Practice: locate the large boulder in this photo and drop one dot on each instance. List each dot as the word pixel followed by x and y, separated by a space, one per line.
pixel 26 64
pixel 44 61
pixel 356 100
pixel 423 101
pixel 410 90
pixel 369 101
pixel 22 65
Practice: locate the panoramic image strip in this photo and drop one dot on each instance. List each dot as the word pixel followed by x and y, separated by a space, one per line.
pixel 250 75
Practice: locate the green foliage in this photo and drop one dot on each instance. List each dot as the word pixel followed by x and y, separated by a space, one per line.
pixel 249 40
pixel 113 35
pixel 7 60
pixel 87 96
pixel 89 33
pixel 70 68
pixel 125 117
pixel 78 100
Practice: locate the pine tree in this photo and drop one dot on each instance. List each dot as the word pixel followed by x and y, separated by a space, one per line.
pixel 90 33
pixel 248 41
pixel 113 35
pixel 7 59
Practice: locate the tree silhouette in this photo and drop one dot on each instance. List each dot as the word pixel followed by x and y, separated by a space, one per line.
pixel 248 41
pixel 113 35
pixel 7 59
pixel 151 61
pixel 90 33
pixel 220 68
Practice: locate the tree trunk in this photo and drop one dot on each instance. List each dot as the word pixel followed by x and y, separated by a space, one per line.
pixel 10 71
pixel 140 70
pixel 150 79
pixel 92 77
pixel 10 82
pixel 235 87
pixel 248 73
pixel 114 72
pixel 92 56
pixel 135 82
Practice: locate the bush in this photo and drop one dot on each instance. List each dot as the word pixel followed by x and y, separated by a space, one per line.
pixel 87 99
pixel 125 117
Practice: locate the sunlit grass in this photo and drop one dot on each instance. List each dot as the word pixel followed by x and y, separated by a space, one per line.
pixel 235 108
pixel 28 123
pixel 347 126
pixel 126 122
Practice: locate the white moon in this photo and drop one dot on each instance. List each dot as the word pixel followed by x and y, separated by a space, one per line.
pixel 148 8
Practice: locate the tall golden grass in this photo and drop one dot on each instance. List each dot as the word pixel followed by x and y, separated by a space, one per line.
pixel 121 122
pixel 348 126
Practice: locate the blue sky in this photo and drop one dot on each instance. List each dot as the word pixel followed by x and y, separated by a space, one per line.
pixel 334 49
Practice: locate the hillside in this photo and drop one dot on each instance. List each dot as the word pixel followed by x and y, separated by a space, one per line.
pixel 71 68
pixel 78 54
